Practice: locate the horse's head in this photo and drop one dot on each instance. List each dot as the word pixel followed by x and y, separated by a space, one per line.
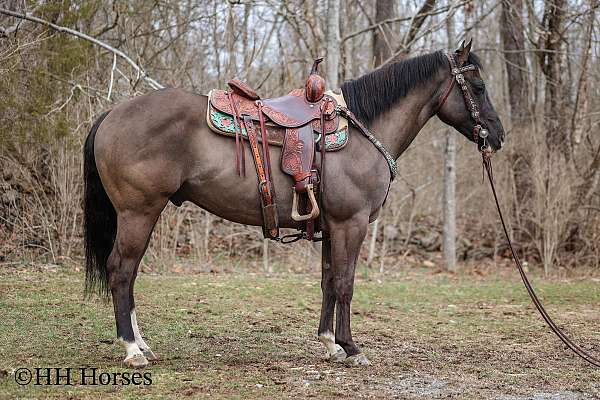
pixel 464 103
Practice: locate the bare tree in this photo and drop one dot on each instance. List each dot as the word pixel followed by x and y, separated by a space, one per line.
pixel 449 197
pixel 513 42
pixel 141 72
pixel 415 25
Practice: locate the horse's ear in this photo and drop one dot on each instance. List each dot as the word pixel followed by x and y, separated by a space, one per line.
pixel 462 54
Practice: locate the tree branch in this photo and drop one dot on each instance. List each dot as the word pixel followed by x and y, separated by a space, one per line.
pixel 415 25
pixel 437 11
pixel 141 72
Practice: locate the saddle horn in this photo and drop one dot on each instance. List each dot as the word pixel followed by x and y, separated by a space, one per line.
pixel 315 84
pixel 316 65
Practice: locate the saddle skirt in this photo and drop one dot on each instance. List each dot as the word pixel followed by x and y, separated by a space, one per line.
pixel 297 113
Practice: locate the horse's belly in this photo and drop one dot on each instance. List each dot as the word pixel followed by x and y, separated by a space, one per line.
pixel 217 188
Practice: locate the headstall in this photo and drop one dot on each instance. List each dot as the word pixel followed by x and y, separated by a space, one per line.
pixel 479 132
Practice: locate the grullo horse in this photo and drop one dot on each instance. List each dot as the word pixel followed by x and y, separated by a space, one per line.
pixel 158 148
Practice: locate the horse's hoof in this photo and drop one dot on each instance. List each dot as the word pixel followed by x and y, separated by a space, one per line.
pixel 357 359
pixel 136 361
pixel 149 354
pixel 338 356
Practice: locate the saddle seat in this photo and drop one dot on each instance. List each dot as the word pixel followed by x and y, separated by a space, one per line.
pixel 291 111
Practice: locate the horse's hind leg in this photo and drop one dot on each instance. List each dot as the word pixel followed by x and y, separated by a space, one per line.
pixel 334 351
pixel 133 233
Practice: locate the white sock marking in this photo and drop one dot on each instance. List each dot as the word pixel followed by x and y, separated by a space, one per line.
pixel 131 348
pixel 136 332
pixel 328 339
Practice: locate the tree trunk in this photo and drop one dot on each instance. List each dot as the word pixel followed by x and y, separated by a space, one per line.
pixel 417 22
pixel 449 231
pixel 230 41
pixel 449 197
pixel 552 66
pixel 513 43
pixel 382 51
pixel 333 44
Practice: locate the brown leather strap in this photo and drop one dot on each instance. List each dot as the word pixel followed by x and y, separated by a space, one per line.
pixel 391 161
pixel 446 94
pixel 265 188
pixel 300 176
pixel 243 89
pixel 457 75
pixel 536 301
pixel 240 156
pixel 265 142
pixel 253 140
pixel 323 150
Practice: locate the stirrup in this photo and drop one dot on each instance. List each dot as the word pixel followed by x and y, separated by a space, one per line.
pixel 314 212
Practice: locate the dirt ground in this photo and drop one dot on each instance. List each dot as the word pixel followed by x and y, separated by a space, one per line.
pixel 429 336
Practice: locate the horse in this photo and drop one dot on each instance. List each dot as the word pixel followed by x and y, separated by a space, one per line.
pixel 157 148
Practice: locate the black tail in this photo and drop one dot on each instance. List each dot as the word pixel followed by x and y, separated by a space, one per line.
pixel 100 220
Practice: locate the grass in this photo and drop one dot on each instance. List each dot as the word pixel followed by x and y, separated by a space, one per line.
pixel 253 336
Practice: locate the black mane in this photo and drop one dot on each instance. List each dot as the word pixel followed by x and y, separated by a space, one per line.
pixel 376 91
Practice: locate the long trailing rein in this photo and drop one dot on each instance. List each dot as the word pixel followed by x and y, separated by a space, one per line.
pixel 480 135
pixel 487 163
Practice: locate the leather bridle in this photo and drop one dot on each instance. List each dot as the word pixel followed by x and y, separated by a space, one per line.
pixel 479 134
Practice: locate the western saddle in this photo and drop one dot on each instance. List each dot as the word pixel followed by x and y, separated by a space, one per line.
pixel 297 122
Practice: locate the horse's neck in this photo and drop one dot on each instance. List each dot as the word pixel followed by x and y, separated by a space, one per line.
pixel 398 127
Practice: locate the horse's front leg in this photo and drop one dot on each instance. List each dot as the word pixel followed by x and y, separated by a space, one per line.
pixel 334 351
pixel 346 239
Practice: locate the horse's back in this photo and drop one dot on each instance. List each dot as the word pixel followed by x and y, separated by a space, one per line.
pixel 141 119
pixel 143 146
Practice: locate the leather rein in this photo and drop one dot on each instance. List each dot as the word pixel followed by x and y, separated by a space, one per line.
pixel 479 136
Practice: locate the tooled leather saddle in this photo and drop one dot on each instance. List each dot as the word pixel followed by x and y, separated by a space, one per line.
pixel 300 122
